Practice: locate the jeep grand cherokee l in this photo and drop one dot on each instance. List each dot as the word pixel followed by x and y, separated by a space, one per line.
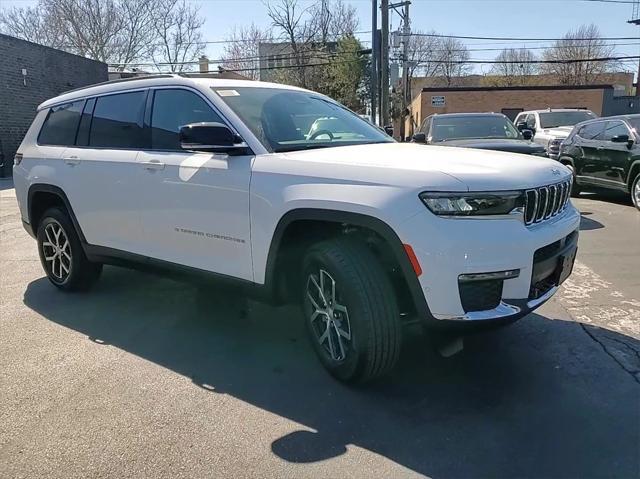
pixel 229 178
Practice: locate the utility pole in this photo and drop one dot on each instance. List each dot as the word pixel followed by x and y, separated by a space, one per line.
pixel 374 60
pixel 384 63
pixel 406 89
pixel 635 20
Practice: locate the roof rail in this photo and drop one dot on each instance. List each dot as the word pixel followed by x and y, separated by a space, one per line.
pixel 121 80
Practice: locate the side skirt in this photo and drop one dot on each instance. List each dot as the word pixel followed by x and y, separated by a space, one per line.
pixel 115 257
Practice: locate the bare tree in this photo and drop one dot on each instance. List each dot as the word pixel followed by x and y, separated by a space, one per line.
pixel 582 44
pixel 291 21
pixel 423 54
pixel 177 25
pixel 33 24
pixel 117 32
pixel 309 36
pixel 516 69
pixel 332 19
pixel 243 50
pixel 452 60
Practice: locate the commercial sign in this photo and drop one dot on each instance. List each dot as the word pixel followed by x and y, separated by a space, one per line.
pixel 437 101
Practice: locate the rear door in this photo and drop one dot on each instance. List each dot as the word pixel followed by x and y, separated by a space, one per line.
pixel 615 158
pixel 101 182
pixel 194 205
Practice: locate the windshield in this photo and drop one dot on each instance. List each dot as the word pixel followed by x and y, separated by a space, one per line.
pixel 461 127
pixel 289 120
pixel 564 118
pixel 635 123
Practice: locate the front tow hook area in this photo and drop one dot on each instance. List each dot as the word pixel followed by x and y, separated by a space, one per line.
pixel 449 346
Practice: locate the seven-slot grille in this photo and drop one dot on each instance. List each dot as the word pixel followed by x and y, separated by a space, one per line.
pixel 546 201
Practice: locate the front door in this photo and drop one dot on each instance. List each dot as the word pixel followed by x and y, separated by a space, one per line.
pixel 195 206
pixel 615 157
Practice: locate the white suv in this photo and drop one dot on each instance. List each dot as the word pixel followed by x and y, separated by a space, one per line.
pixel 231 178
pixel 550 127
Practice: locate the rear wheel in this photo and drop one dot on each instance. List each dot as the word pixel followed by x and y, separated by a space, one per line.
pixel 635 191
pixel 350 310
pixel 61 253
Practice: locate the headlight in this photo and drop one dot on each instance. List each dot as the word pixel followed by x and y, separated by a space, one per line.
pixel 474 204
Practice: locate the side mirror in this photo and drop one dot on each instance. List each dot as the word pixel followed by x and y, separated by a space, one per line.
pixel 522 125
pixel 527 134
pixel 210 136
pixel 623 139
pixel 388 129
pixel 419 138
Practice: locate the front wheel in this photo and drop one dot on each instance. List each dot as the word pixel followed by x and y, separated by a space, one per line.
pixel 61 253
pixel 575 188
pixel 635 191
pixel 350 310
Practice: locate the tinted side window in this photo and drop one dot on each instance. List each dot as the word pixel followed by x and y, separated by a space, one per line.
pixel 117 121
pixel 61 124
pixel 613 128
pixel 590 131
pixel 531 121
pixel 173 109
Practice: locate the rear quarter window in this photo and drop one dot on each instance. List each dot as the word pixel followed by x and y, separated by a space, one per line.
pixel 61 124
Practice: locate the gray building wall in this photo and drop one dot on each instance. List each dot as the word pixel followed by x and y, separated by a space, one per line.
pixel 49 72
pixel 619 105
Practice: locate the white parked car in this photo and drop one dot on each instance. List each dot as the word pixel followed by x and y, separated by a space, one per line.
pixel 223 177
pixel 551 126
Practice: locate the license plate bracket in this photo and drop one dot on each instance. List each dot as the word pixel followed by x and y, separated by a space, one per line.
pixel 565 265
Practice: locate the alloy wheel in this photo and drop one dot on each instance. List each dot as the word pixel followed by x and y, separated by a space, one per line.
pixel 329 319
pixel 56 251
pixel 636 193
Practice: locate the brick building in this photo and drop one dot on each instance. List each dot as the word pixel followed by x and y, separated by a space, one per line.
pixel 600 99
pixel 30 74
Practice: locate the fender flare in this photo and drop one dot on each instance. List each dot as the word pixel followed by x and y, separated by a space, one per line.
pixel 634 165
pixel 47 188
pixel 358 219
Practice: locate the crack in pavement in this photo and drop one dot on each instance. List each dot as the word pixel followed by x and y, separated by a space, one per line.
pixel 601 320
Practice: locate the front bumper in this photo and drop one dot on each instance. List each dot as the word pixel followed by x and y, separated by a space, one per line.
pixel 447 248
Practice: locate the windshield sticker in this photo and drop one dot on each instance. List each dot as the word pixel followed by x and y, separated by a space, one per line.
pixel 228 92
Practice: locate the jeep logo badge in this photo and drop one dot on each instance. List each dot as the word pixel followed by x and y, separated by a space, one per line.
pixel 555 171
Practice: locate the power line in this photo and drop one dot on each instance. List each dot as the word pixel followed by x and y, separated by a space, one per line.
pixel 471 61
pixel 289 56
pixel 628 2
pixel 516 39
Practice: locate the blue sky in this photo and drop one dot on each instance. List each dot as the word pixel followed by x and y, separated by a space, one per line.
pixel 497 18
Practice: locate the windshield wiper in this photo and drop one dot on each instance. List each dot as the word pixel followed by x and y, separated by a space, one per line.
pixel 286 148
pixel 313 146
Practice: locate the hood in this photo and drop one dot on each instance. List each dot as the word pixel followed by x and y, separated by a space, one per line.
pixel 558 131
pixel 512 145
pixel 425 166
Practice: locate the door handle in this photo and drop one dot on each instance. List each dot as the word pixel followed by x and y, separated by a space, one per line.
pixel 71 160
pixel 153 165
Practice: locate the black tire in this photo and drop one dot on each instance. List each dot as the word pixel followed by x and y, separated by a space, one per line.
pixel 72 271
pixel 372 315
pixel 635 191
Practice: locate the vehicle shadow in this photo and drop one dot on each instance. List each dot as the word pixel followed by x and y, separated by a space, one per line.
pixel 610 196
pixel 537 399
pixel 6 184
pixel 587 224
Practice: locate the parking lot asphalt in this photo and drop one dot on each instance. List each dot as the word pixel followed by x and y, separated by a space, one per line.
pixel 149 377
